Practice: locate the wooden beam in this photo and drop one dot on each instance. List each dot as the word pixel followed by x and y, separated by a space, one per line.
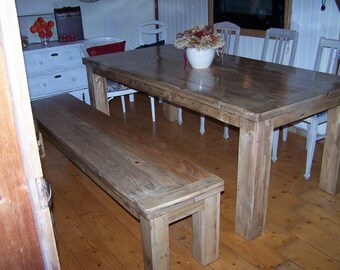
pixel 27 237
pixel 210 12
pixel 19 240
pixel 156 10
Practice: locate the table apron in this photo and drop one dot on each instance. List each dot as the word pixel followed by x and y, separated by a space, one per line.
pixel 304 110
pixel 225 113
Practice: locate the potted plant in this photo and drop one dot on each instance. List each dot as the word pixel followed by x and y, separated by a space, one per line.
pixel 200 44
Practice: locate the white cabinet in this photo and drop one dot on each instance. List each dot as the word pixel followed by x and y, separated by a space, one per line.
pixel 55 69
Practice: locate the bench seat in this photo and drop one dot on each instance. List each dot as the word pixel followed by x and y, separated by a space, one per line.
pixel 154 184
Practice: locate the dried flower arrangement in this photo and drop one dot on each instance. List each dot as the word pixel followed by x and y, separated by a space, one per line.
pixel 201 37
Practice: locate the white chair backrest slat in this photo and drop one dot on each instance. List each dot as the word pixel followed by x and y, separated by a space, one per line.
pixel 283 39
pixel 328 53
pixel 229 31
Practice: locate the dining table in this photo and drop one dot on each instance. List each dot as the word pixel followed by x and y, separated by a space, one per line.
pixel 253 95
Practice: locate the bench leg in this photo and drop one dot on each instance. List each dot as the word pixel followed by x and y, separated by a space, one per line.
pixel 155 240
pixel 205 230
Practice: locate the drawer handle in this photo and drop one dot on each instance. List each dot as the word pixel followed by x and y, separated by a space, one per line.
pixel 57 76
pixel 54 54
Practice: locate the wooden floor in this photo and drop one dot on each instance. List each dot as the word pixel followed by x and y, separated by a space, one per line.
pixel 303 222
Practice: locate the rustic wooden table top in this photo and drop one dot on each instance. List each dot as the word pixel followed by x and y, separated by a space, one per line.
pixel 232 87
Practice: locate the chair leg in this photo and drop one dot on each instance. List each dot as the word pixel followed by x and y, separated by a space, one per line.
pixel 123 103
pixel 153 111
pixel 225 132
pixel 179 116
pixel 307 132
pixel 285 134
pixel 132 97
pixel 202 123
pixel 311 135
pixel 275 144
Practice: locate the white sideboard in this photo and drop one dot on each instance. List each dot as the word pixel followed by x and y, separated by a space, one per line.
pixel 55 69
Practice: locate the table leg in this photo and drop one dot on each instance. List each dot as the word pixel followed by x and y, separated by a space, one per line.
pixel 97 91
pixel 155 239
pixel 330 168
pixel 170 112
pixel 206 231
pixel 253 173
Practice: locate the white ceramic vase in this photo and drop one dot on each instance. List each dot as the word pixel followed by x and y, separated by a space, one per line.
pixel 200 58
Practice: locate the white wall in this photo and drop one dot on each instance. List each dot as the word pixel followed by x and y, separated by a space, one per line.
pixel 311 23
pixel 116 18
pixel 119 18
pixel 182 14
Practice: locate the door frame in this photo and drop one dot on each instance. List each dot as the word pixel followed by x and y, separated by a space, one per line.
pixel 27 235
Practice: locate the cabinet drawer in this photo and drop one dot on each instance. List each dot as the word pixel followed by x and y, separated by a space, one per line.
pixel 51 59
pixel 58 82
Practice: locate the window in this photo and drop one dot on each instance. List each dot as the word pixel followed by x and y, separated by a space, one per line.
pixel 254 16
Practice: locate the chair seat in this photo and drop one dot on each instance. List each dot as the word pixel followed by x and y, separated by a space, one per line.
pixel 112 86
pixel 317 118
pixel 115 89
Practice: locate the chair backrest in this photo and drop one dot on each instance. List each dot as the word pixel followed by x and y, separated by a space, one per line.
pixel 328 53
pixel 337 63
pixel 88 43
pixel 282 40
pixel 227 30
pixel 151 28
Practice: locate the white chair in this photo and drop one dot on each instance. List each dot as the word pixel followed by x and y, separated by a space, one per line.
pixel 327 56
pixel 149 33
pixel 284 43
pixel 153 30
pixel 114 89
pixel 230 32
pixel 279 47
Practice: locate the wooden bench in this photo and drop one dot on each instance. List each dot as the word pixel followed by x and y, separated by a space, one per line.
pixel 155 185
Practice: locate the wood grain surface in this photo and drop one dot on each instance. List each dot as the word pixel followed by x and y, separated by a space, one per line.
pixel 246 93
pixel 231 88
pixel 143 177
pixel 94 232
